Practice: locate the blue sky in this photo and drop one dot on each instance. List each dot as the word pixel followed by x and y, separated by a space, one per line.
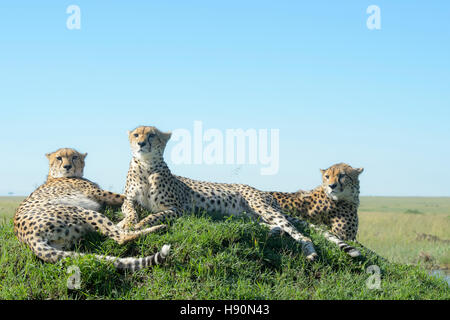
pixel 337 91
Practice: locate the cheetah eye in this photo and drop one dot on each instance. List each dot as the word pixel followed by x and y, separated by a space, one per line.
pixel 75 158
pixel 327 176
pixel 136 135
pixel 151 135
pixel 58 158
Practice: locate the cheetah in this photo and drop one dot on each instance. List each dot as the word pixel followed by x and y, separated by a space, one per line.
pixel 334 204
pixel 151 185
pixel 59 212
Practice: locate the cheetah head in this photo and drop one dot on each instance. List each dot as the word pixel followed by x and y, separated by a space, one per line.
pixel 341 182
pixel 148 143
pixel 66 162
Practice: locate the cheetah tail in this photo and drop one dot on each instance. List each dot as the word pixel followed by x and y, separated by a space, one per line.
pixel 50 254
pixel 134 264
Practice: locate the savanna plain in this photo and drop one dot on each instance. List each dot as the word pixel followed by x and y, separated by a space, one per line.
pixel 212 257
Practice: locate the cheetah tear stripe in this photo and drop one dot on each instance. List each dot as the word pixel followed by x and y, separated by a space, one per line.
pixel 333 204
pixel 59 213
pixel 151 184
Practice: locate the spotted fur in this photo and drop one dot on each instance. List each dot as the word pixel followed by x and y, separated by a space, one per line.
pixel 59 212
pixel 333 204
pixel 151 185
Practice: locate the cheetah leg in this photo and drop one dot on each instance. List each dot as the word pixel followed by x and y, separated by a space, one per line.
pixel 277 221
pixel 131 216
pixel 351 251
pixel 105 226
pixel 154 218
pixel 273 230
pixel 305 242
pixel 341 226
pixel 109 198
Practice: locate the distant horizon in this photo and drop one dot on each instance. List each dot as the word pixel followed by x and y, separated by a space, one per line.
pixel 361 196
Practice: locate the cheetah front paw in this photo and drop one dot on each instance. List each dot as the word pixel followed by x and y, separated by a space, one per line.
pixel 275 231
pixel 312 257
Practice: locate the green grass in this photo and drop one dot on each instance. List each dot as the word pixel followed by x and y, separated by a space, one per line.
pixel 211 258
pixel 429 205
pixel 7 207
pixel 393 228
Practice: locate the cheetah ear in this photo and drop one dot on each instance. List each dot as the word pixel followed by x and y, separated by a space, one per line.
pixel 165 136
pixel 128 132
pixel 322 171
pixel 359 170
pixel 83 155
pixel 47 155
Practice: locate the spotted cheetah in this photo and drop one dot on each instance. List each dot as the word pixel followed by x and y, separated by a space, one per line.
pixel 150 184
pixel 333 204
pixel 59 212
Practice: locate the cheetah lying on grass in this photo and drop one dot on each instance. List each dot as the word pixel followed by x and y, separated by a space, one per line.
pixel 65 207
pixel 151 185
pixel 334 204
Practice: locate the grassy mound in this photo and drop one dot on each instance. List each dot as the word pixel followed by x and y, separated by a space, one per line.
pixel 212 258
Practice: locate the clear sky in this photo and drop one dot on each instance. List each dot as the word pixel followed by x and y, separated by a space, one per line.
pixel 337 91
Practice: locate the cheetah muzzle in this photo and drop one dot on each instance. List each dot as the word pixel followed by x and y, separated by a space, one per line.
pixel 66 207
pixel 151 184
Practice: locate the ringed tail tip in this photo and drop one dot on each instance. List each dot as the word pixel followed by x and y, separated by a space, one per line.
pixel 165 250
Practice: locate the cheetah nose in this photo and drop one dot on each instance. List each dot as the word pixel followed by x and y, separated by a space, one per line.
pixel 332 186
pixel 141 144
pixel 67 167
